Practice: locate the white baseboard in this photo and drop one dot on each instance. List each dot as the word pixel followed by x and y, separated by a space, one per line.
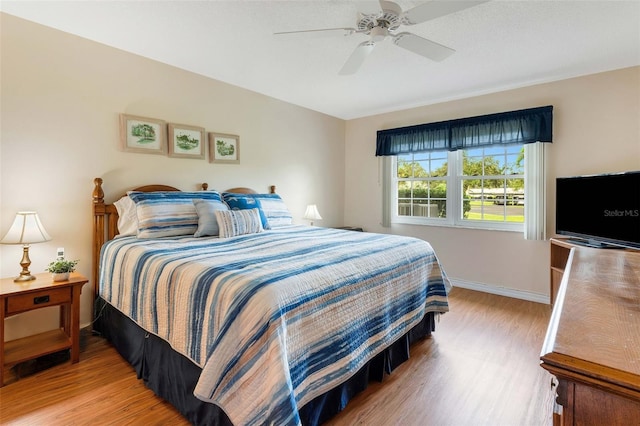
pixel 501 291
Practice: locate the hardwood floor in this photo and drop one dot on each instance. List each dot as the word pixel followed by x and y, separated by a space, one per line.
pixel 480 367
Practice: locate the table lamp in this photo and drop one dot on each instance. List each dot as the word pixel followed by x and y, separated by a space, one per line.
pixel 312 213
pixel 26 229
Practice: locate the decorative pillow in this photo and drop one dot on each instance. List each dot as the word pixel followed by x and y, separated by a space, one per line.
pixel 274 209
pixel 245 202
pixel 238 222
pixel 207 222
pixel 127 218
pixel 168 213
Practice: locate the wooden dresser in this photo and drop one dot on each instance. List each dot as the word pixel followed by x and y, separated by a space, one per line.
pixel 592 345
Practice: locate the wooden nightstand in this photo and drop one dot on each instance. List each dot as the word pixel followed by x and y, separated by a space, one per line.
pixel 16 298
pixel 351 228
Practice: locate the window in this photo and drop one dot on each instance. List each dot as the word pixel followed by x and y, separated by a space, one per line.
pixel 494 165
pixel 480 187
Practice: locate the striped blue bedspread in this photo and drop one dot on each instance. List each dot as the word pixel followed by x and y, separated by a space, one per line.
pixel 276 318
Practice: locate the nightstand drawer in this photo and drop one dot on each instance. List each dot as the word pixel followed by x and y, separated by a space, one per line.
pixel 38 299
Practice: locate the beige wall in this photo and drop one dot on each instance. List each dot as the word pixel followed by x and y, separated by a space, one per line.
pixel 61 97
pixel 596 130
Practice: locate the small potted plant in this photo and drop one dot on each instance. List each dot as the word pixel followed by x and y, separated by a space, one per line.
pixel 61 268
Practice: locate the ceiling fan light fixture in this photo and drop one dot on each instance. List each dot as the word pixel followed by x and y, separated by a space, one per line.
pixel 378 34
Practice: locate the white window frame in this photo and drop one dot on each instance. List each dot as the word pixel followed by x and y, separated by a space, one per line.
pixel 533 227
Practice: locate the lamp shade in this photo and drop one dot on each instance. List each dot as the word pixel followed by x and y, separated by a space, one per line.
pixel 312 213
pixel 26 229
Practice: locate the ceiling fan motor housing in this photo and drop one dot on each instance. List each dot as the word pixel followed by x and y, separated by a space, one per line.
pixel 388 19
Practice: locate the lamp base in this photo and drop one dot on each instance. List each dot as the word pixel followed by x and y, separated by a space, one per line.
pixel 25 274
pixel 24 278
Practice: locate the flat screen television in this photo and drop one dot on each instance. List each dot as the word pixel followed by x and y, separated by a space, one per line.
pixel 600 210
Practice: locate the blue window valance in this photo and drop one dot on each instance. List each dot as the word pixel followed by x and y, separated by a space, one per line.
pixel 523 126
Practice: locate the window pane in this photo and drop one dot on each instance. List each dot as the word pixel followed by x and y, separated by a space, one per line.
pixel 474 198
pixel 421 169
pixel 438 198
pixel 472 164
pixel 493 165
pixel 404 208
pixel 494 190
pixel 515 191
pixel 405 168
pixel 513 167
pixel 439 167
pixel 514 209
pixel 420 189
pixel 404 190
pixel 404 198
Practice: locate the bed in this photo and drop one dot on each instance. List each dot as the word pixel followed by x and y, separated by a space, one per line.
pixel 258 321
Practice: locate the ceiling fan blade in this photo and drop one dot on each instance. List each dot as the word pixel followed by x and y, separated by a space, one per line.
pixel 323 31
pixel 389 6
pixel 357 58
pixel 435 9
pixel 423 47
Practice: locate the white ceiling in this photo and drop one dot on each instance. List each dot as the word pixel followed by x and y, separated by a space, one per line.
pixel 499 45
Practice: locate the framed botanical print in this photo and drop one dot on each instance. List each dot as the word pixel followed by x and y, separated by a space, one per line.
pixel 186 141
pixel 224 148
pixel 142 134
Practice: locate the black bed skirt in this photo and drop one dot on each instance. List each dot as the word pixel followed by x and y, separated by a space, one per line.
pixel 173 377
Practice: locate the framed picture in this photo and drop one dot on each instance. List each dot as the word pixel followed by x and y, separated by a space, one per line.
pixel 224 148
pixel 186 141
pixel 141 134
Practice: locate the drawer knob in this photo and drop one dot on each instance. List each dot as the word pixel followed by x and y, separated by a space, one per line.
pixel 40 299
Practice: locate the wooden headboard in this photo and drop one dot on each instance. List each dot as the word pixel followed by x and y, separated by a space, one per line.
pixel 105 217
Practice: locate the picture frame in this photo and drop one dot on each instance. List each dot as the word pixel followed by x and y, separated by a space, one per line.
pixel 186 141
pixel 142 134
pixel 224 148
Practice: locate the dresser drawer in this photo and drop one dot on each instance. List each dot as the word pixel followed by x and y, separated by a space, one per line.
pixel 38 299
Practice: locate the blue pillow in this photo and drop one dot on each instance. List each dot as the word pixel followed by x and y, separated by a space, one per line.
pixel 207 222
pixel 245 202
pixel 168 213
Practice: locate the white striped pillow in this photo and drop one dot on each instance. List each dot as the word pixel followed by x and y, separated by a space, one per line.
pixel 238 222
pixel 275 210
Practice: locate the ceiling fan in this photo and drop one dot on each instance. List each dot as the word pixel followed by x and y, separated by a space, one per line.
pixel 379 26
